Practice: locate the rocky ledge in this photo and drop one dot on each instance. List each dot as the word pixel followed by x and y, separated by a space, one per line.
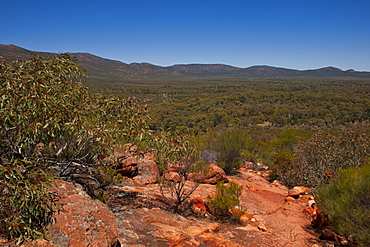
pixel 136 215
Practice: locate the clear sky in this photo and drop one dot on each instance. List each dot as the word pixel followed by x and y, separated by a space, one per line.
pixel 298 34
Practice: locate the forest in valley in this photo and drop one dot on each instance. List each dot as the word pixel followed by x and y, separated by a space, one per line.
pixel 308 131
pixel 197 106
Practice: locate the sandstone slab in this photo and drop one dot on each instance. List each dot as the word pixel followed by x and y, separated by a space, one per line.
pixel 83 221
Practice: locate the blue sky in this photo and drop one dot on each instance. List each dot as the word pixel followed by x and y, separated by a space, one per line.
pixel 298 34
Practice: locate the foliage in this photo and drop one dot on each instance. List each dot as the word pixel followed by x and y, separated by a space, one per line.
pixel 26 205
pixel 346 201
pixel 119 120
pixel 258 146
pixel 106 176
pixel 226 199
pixel 317 160
pixel 176 153
pixel 49 118
pixel 286 139
pixel 229 146
pixel 43 101
pixel 284 169
pixel 40 98
pixel 172 147
pixel 200 105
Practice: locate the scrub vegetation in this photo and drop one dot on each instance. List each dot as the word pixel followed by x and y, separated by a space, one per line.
pixel 312 132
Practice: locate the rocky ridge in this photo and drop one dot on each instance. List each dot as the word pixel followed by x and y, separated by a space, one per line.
pixel 136 214
pixel 107 71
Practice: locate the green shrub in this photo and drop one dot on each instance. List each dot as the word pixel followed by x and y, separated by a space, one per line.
pixel 107 175
pixel 284 169
pixel 48 119
pixel 346 201
pixel 43 101
pixel 41 98
pixel 229 146
pixel 26 205
pixel 318 159
pixel 225 200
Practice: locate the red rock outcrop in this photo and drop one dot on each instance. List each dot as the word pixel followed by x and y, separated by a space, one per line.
pixel 128 166
pixel 198 207
pixel 38 243
pixel 83 221
pixel 269 219
pixel 147 172
pixel 155 227
pixel 172 176
pixel 142 170
pixel 215 174
pixel 139 218
pixel 295 192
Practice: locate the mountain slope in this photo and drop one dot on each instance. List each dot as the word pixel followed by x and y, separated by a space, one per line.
pixel 106 70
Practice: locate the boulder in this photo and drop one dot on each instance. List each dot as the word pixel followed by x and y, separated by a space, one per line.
pixel 248 165
pixel 149 155
pixel 262 227
pixel 178 167
pixel 90 184
pixel 147 172
pixel 309 210
pixel 172 176
pixel 82 221
pixel 297 191
pixel 128 166
pixel 311 202
pixel 246 218
pixel 278 184
pixel 289 199
pixel 215 174
pixel 143 171
pixel 319 220
pixel 198 207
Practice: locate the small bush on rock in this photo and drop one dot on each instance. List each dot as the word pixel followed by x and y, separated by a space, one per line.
pixel 177 154
pixel 226 200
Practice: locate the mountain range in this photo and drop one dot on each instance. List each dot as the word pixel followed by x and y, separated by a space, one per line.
pixel 106 70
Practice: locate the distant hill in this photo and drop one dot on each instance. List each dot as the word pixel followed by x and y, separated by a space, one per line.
pixel 106 70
